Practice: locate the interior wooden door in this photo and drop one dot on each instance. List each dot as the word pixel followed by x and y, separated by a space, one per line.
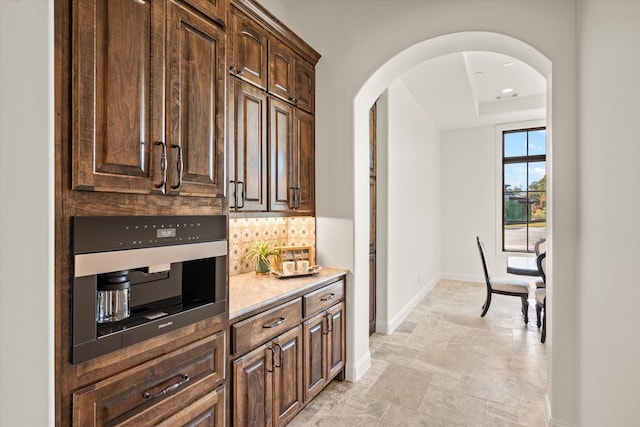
pixel 372 218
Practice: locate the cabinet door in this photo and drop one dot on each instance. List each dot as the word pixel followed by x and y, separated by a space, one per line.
pixel 195 120
pixel 305 84
pixel 336 339
pixel 303 163
pixel 315 356
pixel 118 63
pixel 287 376
pixel 249 60
pixel 281 70
pixel 249 154
pixel 253 388
pixel 281 141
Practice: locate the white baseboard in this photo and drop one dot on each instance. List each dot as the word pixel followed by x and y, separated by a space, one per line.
pixel 388 327
pixel 550 421
pixel 463 277
pixel 354 371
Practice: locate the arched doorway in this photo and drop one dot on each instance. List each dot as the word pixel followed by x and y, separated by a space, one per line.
pixel 369 92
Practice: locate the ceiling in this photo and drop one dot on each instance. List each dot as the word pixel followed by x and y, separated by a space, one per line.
pixel 466 89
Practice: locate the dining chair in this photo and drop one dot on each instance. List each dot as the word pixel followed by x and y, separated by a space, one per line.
pixel 540 247
pixel 503 286
pixel 541 296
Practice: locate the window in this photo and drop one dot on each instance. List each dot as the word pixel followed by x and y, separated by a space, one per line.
pixel 524 185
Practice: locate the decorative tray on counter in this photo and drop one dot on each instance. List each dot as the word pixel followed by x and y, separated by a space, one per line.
pixel 314 269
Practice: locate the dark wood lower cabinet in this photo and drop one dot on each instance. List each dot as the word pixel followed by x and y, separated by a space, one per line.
pixel 273 380
pixel 173 389
pixel 324 349
pixel 268 382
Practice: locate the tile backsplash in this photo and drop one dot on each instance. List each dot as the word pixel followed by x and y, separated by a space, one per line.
pixel 287 231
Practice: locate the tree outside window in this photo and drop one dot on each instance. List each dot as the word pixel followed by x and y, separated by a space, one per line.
pixel 524 179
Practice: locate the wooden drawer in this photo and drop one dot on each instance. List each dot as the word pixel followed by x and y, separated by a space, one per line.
pixel 323 298
pixel 262 327
pixel 153 391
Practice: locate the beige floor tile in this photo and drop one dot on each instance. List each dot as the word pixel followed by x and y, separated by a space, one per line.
pixel 445 366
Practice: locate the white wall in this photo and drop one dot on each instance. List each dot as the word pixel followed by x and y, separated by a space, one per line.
pixel 413 207
pixel 609 342
pixel 469 203
pixel 26 213
pixel 369 46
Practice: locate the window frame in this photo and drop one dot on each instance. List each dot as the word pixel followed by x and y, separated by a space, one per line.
pixel 500 130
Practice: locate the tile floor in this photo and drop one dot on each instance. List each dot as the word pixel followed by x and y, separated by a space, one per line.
pixel 445 366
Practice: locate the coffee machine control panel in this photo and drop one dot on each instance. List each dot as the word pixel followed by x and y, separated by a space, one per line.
pixel 97 234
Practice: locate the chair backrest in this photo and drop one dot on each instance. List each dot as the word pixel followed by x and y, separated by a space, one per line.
pixel 487 277
pixel 541 261
pixel 540 246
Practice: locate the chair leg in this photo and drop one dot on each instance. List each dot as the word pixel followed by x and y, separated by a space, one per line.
pixel 544 322
pixel 487 303
pixel 538 312
pixel 525 308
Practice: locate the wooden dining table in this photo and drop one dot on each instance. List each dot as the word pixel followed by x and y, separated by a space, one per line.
pixel 522 266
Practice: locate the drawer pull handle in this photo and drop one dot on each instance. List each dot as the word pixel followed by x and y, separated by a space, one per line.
pixel 274 324
pixel 328 297
pixel 184 379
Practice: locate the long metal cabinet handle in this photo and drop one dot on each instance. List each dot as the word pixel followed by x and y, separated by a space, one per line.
pixel 235 195
pixel 328 297
pixel 178 166
pixel 273 357
pixel 291 199
pixel 281 355
pixel 163 164
pixel 184 379
pixel 274 324
pixel 242 198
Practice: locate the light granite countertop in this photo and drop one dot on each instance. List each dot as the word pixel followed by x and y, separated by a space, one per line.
pixel 249 292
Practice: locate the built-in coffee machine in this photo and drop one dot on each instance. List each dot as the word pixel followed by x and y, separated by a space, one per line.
pixel 136 277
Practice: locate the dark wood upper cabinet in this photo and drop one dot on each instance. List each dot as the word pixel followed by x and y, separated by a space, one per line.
pixel 248 149
pixel 118 93
pixel 292 167
pixel 305 85
pixel 195 125
pixel 281 193
pixel 249 56
pixel 281 70
pixel 290 76
pixel 303 166
pixel 132 130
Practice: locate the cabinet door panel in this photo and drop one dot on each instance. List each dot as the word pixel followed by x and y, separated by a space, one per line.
pixel 315 351
pixel 249 60
pixel 281 70
pixel 117 93
pixel 280 139
pixel 250 153
pixel 252 388
pixel 196 105
pixel 305 83
pixel 287 376
pixel 335 316
pixel 303 167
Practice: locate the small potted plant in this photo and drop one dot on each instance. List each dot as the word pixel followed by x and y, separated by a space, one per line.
pixel 262 251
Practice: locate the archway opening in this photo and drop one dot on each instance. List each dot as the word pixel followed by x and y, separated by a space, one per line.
pixel 370 91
